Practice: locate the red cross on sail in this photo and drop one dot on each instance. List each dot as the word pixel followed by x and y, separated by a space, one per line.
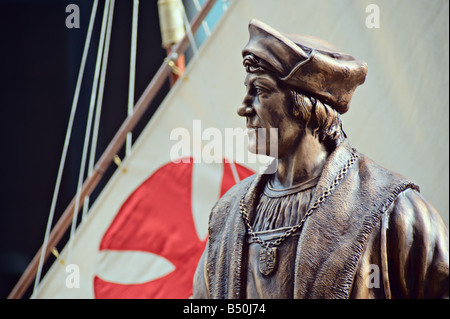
pixel 157 218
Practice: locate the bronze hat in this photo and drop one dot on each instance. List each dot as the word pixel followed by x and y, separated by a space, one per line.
pixel 307 63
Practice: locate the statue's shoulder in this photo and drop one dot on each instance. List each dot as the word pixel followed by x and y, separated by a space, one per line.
pixel 370 170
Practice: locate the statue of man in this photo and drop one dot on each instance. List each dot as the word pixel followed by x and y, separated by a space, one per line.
pixel 329 222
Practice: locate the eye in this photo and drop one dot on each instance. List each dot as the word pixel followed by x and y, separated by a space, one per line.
pixel 259 90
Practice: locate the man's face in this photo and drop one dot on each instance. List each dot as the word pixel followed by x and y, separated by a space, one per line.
pixel 267 106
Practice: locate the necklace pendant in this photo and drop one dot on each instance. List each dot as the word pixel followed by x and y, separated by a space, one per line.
pixel 267 260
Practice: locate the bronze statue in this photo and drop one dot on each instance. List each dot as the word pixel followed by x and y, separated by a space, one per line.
pixel 329 223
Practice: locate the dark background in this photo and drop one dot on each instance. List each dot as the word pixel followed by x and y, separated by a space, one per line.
pixel 40 58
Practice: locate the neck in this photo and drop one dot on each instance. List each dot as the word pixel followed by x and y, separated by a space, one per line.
pixel 305 162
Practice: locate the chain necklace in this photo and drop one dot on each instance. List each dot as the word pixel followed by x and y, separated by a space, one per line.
pixel 267 255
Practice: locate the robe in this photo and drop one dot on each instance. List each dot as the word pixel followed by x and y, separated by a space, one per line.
pixel 374 236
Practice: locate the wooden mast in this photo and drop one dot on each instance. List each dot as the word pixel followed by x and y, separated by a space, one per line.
pixel 108 155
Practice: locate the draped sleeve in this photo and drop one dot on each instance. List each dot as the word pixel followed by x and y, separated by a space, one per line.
pixel 200 285
pixel 416 249
pixel 408 255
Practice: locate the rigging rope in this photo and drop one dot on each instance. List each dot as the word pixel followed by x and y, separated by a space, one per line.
pixel 187 26
pixel 108 7
pixel 66 144
pixel 204 23
pixel 99 106
pixel 132 71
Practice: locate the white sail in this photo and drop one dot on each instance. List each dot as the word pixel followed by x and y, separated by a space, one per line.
pixel 398 117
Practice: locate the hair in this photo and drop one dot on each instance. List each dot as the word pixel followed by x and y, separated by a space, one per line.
pixel 323 120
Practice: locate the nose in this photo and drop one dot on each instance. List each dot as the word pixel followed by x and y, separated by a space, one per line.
pixel 246 108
